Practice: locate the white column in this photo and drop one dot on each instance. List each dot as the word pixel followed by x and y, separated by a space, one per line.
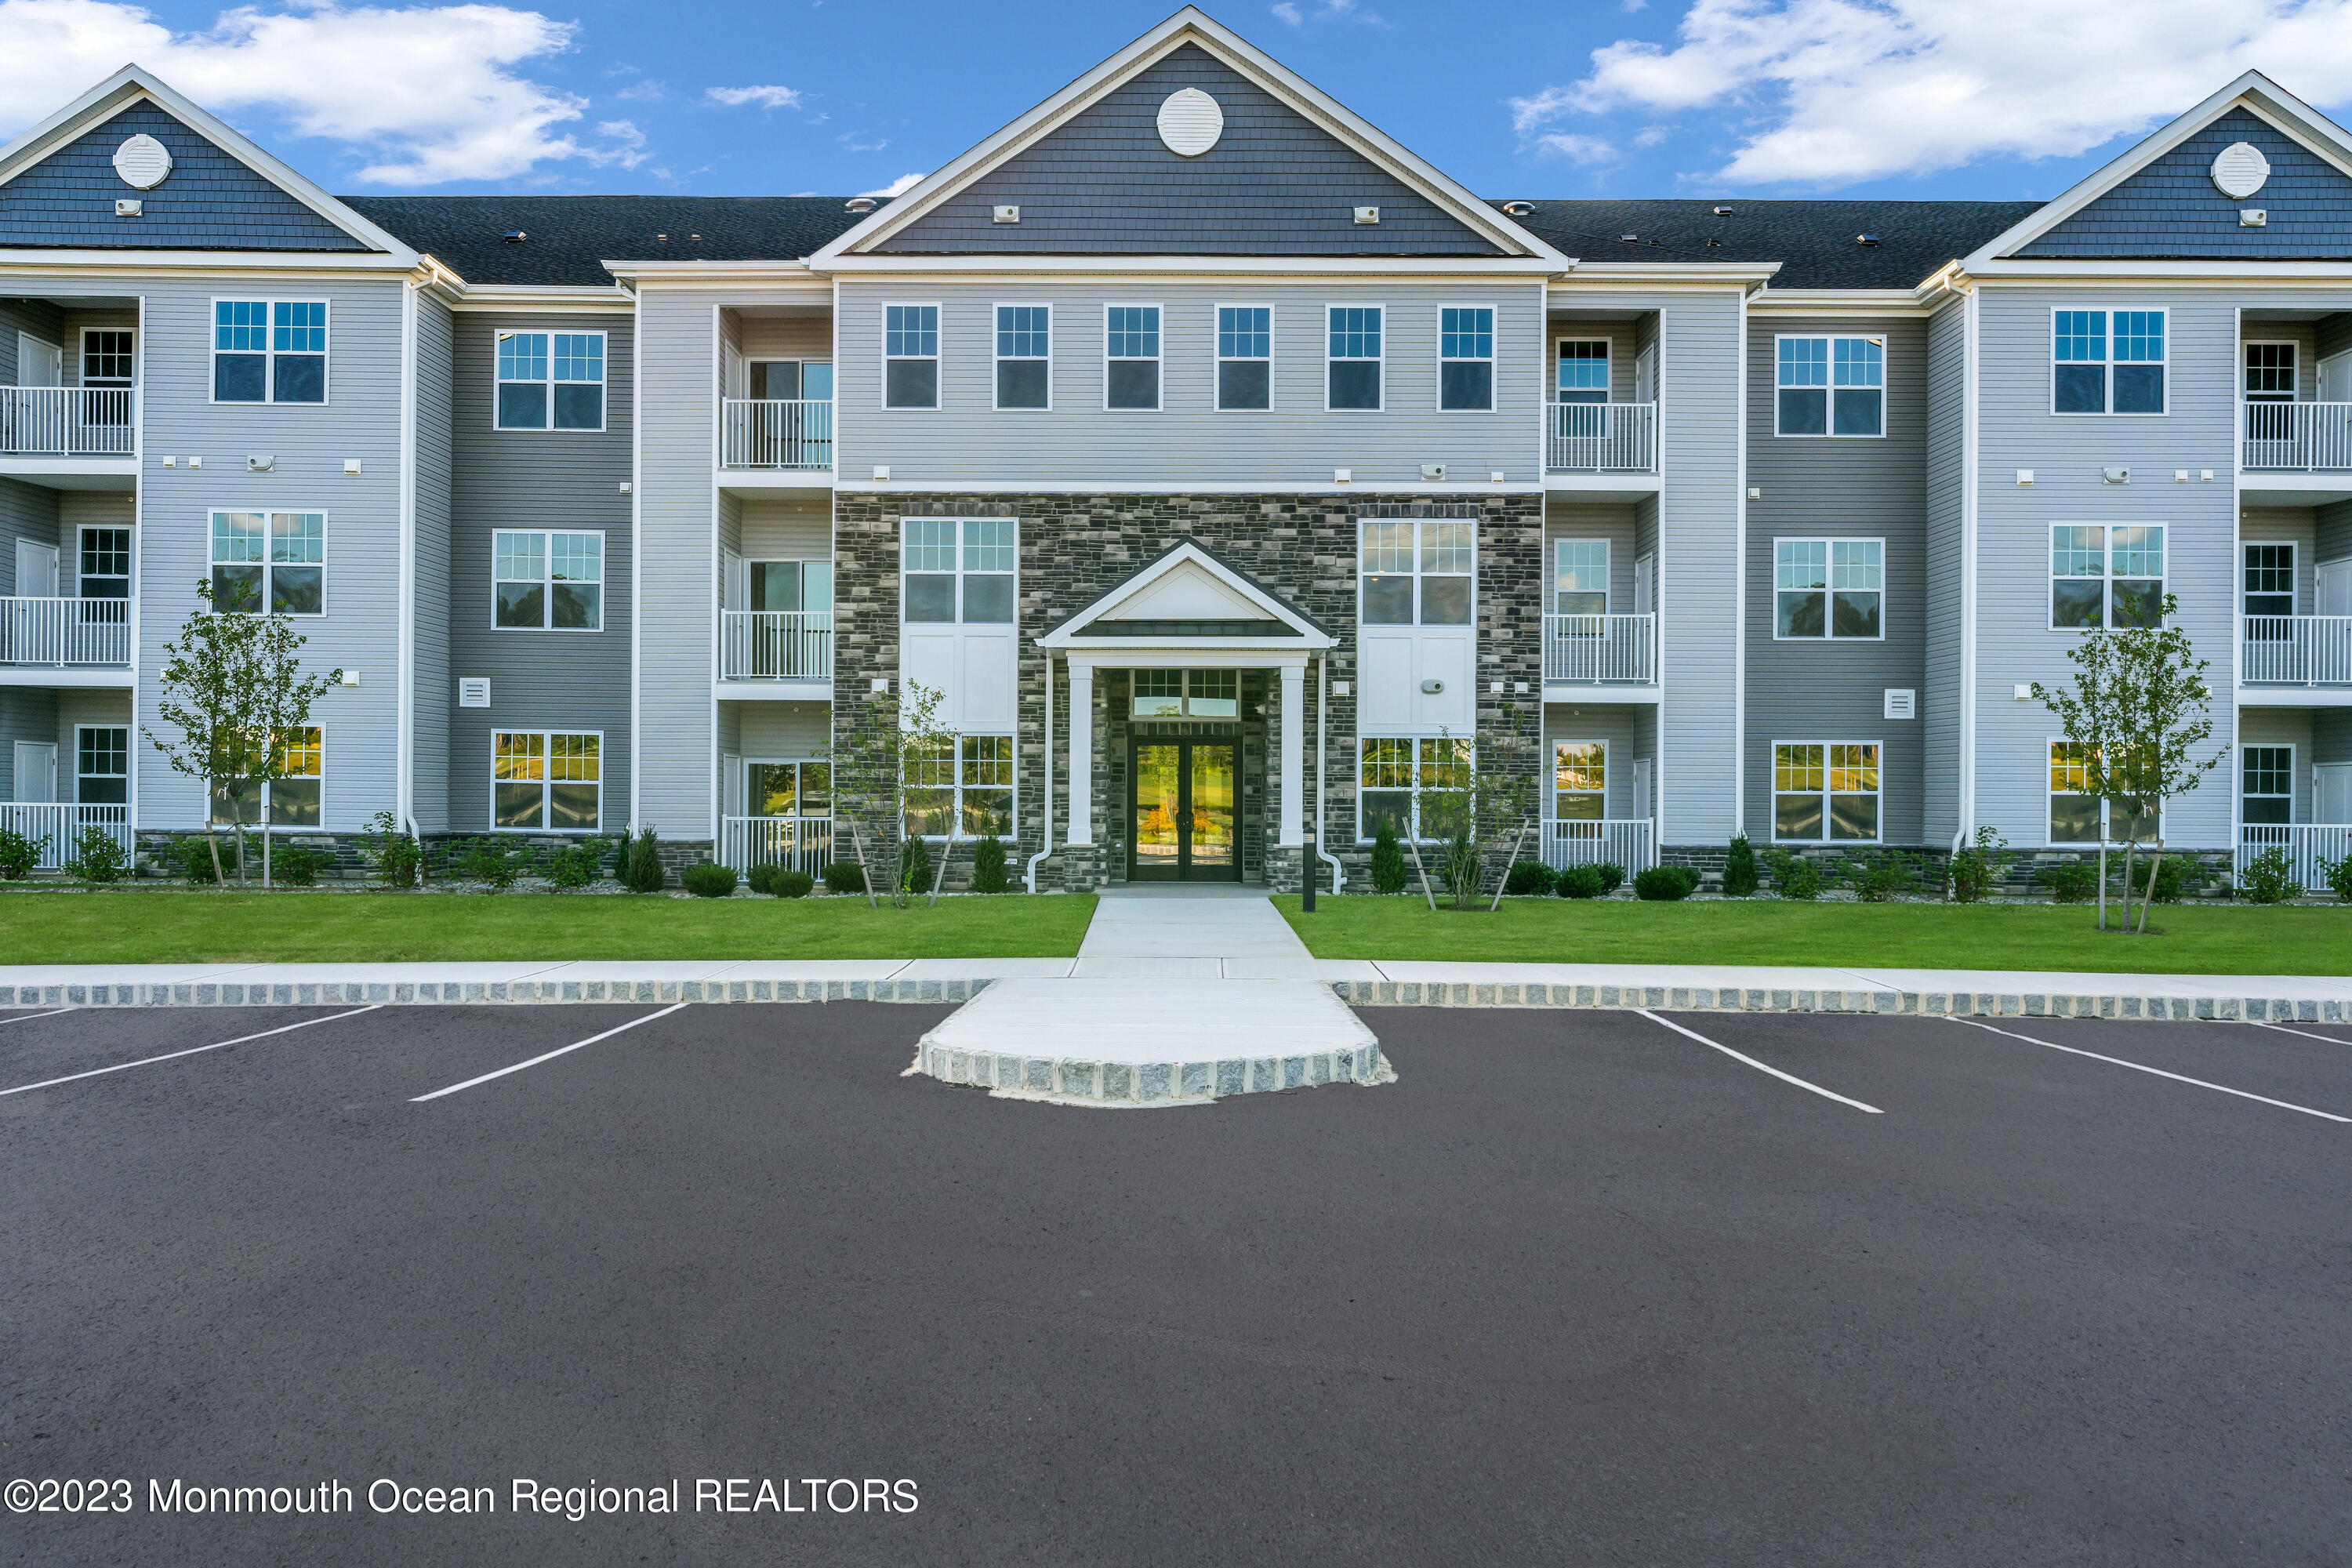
pixel 1293 750
pixel 1082 756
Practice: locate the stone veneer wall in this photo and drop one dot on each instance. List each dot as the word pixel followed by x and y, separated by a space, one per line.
pixel 1073 548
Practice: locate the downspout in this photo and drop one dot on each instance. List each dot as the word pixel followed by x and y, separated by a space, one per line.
pixel 1029 873
pixel 1322 773
pixel 403 789
pixel 1965 829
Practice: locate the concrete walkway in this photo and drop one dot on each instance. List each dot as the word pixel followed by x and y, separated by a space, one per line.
pixel 1190 931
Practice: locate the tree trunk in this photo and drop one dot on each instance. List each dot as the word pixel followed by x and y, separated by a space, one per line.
pixel 2103 881
pixel 1514 860
pixel 865 872
pixel 939 873
pixel 2131 849
pixel 264 855
pixel 213 839
pixel 1414 845
pixel 2156 864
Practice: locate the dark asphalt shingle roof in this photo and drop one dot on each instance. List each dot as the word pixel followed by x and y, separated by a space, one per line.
pixel 571 237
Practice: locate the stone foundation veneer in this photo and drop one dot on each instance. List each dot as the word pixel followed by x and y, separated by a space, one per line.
pixel 1149 1083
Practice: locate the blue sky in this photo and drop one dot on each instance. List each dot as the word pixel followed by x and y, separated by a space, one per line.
pixel 1999 99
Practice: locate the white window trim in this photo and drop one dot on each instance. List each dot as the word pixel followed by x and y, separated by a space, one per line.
pixel 2293 571
pixel 995 381
pixel 1217 358
pixel 1363 834
pixel 80 365
pixel 2049 346
pixel 1828 593
pixel 604 384
pixel 1417 623
pixel 1184 697
pixel 1829 420
pixel 80 577
pixel 2295 393
pixel 939 360
pixel 270 353
pixel 1608 357
pixel 1383 362
pixel 962 572
pixel 2048 795
pixel 547 603
pixel 2107 554
pixel 1158 359
pixel 130 757
pixel 253 828
pixel 1552 791
pixel 326 555
pixel 955 809
pixel 1437 353
pixel 543 784
pixel 1772 790
pixel 1608 571
pixel 2293 779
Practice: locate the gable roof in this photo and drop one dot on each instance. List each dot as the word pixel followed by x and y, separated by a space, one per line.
pixel 568 239
pixel 1816 243
pixel 1190 29
pixel 1190 594
pixel 134 86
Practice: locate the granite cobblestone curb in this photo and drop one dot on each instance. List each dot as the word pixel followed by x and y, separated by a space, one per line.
pixel 1069 1078
pixel 1913 1004
pixel 428 993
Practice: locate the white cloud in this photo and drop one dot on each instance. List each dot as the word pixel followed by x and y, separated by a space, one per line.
pixel 1590 151
pixel 765 97
pixel 423 93
pixel 1842 91
pixel 897 187
pixel 1330 11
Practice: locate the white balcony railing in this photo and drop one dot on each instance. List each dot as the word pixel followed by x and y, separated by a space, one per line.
pixel 1628 841
pixel 2308 844
pixel 776 433
pixel 64 632
pixel 2299 437
pixel 2296 650
pixel 801 843
pixel 1600 650
pixel 775 644
pixel 1603 438
pixel 66 421
pixel 61 824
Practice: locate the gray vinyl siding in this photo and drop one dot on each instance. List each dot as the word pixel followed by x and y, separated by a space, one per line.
pixel 2068 453
pixel 1564 519
pixel 783 730
pixel 2332 333
pixel 575 682
pixel 2331 734
pixel 2283 525
pixel 966 440
pixel 2271 727
pixel 2172 208
pixel 2331 532
pixel 27 512
pixel 310 444
pixel 1833 690
pixel 779 530
pixel 1943 567
pixel 808 337
pixel 435 695
pixel 35 318
pixel 27 713
pixel 1625 340
pixel 77 510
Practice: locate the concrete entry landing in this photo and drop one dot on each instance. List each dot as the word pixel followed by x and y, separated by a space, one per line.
pixel 1177 930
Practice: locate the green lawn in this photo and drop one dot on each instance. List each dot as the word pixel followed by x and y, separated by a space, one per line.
pixel 2197 939
pixel 158 925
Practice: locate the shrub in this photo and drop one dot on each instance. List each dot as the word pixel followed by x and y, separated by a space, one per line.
pixel 1740 880
pixel 1978 869
pixel 2269 878
pixel 1388 858
pixel 1882 878
pixel 706 880
pixel 780 881
pixel 19 855
pixel 1793 877
pixel 1530 877
pixel 2076 883
pixel 395 857
pixel 641 867
pixel 914 865
pixel 988 875
pixel 2170 882
pixel 1612 875
pixel 490 861
pixel 1581 882
pixel 296 867
pixel 97 857
pixel 577 865
pixel 194 857
pixel 845 877
pixel 1666 883
pixel 2340 877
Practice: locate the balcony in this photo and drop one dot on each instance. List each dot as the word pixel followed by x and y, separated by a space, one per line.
pixel 797 843
pixel 1602 449
pixel 1630 842
pixel 2295 653
pixel 2296 454
pixel 65 642
pixel 776 443
pixel 61 825
pixel 2308 844
pixel 74 437
pixel 777 646
pixel 1601 651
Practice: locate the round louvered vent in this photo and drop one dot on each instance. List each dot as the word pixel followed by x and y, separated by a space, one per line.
pixel 1191 122
pixel 143 162
pixel 2239 169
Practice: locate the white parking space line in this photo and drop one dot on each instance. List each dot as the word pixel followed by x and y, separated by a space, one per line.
pixel 548 1056
pixel 2159 1072
pixel 191 1051
pixel 2302 1035
pixel 29 1017
pixel 1759 1067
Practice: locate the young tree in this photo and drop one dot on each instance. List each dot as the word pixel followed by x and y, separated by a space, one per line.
pixel 1484 798
pixel 2165 716
pixel 278 706
pixel 903 755
pixel 2087 715
pixel 206 676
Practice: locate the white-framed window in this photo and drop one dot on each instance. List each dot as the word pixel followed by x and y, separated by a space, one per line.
pixel 2270 373
pixel 1024 356
pixel 550 381
pixel 1131 357
pixel 1825 792
pixel 108 356
pixel 959 569
pixel 795 585
pixel 788 380
pixel 294 800
pixel 1419 782
pixel 1185 694
pixel 2267 783
pixel 2270 579
pixel 272 560
pixel 2106 575
pixel 791 786
pixel 1416 571
pixel 1244 359
pixel 1830 386
pixel 967 781
pixel 270 351
pixel 102 764
pixel 1583 374
pixel 910 356
pixel 1829 588
pixel 1466 359
pixel 2106 362
pixel 1354 358
pixel 103 563
pixel 2078 816
pixel 552 580
pixel 547 781
pixel 1580 576
pixel 1579 781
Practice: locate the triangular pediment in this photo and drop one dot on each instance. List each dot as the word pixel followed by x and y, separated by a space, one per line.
pixel 1190 598
pixel 1281 169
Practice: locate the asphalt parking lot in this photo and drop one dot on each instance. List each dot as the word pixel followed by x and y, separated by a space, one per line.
pixel 1577 1288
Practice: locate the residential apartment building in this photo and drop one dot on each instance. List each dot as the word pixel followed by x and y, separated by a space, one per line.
pixel 1230 476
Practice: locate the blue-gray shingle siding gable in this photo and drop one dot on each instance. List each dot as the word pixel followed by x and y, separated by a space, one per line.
pixel 1274 184
pixel 209 202
pixel 2172 209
